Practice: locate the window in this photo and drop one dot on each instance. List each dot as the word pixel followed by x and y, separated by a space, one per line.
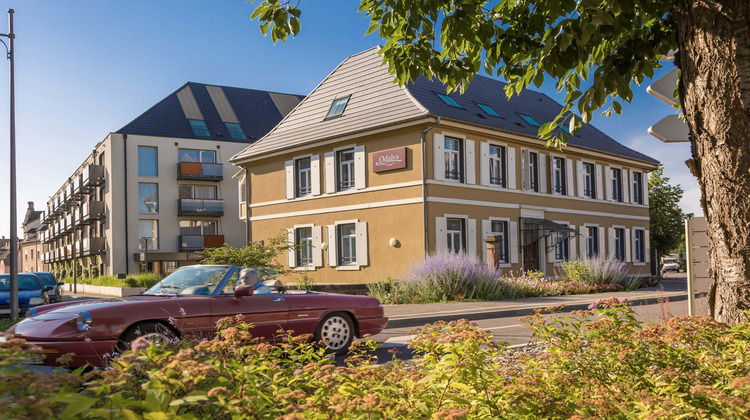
pixel 192 155
pixel 562 245
pixel 347 244
pixel 302 169
pixel 345 173
pixel 147 161
pixel 205 192
pixel 497 165
pixel 488 109
pixel 500 229
pixel 243 189
pixel 589 180
pixel 448 100
pixel 639 246
pixel 235 131
pixel 533 171
pixel 453 159
pixel 337 107
pixel 148 233
pixel 529 120
pixel 592 241
pixel 455 229
pixel 638 187
pixel 616 184
pixel 199 128
pixel 619 244
pixel 198 227
pixel 558 174
pixel 148 198
pixel 304 240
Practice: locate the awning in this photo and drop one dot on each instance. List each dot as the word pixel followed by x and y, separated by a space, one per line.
pixel 534 229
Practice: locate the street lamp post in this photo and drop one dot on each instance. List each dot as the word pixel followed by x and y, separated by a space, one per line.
pixel 13 228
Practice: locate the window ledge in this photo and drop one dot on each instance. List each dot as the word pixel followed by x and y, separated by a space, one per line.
pixel 347 268
pixel 639 264
pixel 305 268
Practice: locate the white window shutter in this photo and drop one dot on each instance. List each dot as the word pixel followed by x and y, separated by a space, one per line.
pixel 572 254
pixel 524 169
pixel 486 231
pixel 362 255
pixel 315 174
pixel 644 188
pixel 552 174
pixel 289 170
pixel 471 240
pixel 602 242
pixel 542 158
pixel 611 241
pixel 647 247
pixel 569 177
pixel 438 161
pixel 599 190
pixel 332 254
pixel 630 187
pixel 330 173
pixel 484 163
pixel 626 186
pixel 549 241
pixel 513 242
pixel 511 167
pixel 360 167
pixel 579 177
pixel 441 238
pixel 628 246
pixel 317 251
pixel 582 242
pixel 471 172
pixel 608 183
pixel 291 251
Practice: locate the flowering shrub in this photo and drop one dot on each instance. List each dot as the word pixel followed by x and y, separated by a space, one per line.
pixel 598 270
pixel 600 363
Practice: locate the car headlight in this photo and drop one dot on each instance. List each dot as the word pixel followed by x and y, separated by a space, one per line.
pixel 83 321
pixel 35 301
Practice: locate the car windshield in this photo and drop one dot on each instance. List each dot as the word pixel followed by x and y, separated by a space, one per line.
pixel 47 280
pixel 194 280
pixel 670 261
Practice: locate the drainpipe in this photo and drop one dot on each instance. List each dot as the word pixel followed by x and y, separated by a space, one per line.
pixel 424 185
pixel 125 160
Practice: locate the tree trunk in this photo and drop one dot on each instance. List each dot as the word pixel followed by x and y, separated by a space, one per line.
pixel 714 59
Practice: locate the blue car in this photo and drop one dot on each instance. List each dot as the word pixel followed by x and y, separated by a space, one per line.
pixel 31 292
pixel 48 279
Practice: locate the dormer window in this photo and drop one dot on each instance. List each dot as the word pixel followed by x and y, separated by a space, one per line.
pixel 199 128
pixel 337 107
pixel 488 109
pixel 235 131
pixel 529 120
pixel 448 100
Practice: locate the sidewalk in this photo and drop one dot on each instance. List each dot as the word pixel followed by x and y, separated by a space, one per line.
pixel 413 315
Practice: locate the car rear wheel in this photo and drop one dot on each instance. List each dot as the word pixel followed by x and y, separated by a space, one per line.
pixel 336 331
pixel 155 332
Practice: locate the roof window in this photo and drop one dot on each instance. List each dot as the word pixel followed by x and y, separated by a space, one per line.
pixel 199 128
pixel 448 100
pixel 529 120
pixel 235 131
pixel 488 109
pixel 338 106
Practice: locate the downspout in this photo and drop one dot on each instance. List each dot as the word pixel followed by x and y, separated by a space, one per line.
pixel 125 161
pixel 424 185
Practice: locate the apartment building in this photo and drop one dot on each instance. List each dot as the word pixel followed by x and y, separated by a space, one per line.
pixel 367 178
pixel 31 248
pixel 152 194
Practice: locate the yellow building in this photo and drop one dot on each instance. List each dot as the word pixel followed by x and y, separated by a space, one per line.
pixel 368 178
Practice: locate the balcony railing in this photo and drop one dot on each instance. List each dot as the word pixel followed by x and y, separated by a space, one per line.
pixel 76 186
pixel 68 225
pixel 92 176
pixel 199 242
pixel 200 171
pixel 198 207
pixel 92 246
pixel 92 210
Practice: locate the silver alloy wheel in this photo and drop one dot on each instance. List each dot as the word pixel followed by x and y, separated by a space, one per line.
pixel 336 331
pixel 157 338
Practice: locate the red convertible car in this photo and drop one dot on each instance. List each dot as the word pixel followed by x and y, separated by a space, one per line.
pixel 189 302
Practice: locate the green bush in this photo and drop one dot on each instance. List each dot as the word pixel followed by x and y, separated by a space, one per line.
pixel 145 279
pixel 576 271
pixel 600 363
pixel 256 254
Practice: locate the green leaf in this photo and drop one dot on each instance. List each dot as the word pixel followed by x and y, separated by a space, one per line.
pixel 374 27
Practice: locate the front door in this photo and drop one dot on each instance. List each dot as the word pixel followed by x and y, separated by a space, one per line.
pixel 531 257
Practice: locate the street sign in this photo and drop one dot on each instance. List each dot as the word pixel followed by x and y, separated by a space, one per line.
pixel 671 129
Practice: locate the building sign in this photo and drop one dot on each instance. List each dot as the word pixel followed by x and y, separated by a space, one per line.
pixel 389 160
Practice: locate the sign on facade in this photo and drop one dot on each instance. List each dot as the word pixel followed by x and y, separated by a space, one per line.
pixel 389 160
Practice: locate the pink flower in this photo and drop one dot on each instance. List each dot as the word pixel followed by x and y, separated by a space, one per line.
pixel 139 344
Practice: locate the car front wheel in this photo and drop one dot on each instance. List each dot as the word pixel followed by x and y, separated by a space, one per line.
pixel 155 332
pixel 336 331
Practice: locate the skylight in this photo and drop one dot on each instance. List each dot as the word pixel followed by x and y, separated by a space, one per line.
pixel 529 120
pixel 337 107
pixel 488 109
pixel 235 131
pixel 199 128
pixel 448 100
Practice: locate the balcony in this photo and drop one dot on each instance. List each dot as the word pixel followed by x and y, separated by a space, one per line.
pixel 200 171
pixel 92 210
pixel 69 251
pixel 76 185
pixel 199 207
pixel 199 242
pixel 93 175
pixel 92 246
pixel 68 224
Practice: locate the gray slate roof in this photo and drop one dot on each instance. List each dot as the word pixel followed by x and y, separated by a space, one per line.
pixel 376 102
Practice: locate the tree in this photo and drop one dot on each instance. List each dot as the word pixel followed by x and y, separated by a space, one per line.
pixel 256 254
pixel 595 50
pixel 667 219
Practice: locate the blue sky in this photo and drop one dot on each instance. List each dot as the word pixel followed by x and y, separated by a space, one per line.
pixel 87 68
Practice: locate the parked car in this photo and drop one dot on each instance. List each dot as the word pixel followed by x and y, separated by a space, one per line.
pixel 189 302
pixel 31 292
pixel 48 279
pixel 670 264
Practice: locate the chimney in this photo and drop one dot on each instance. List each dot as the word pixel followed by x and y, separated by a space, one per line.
pixel 31 205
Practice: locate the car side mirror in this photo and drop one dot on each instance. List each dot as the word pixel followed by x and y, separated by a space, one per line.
pixel 61 284
pixel 48 288
pixel 243 290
